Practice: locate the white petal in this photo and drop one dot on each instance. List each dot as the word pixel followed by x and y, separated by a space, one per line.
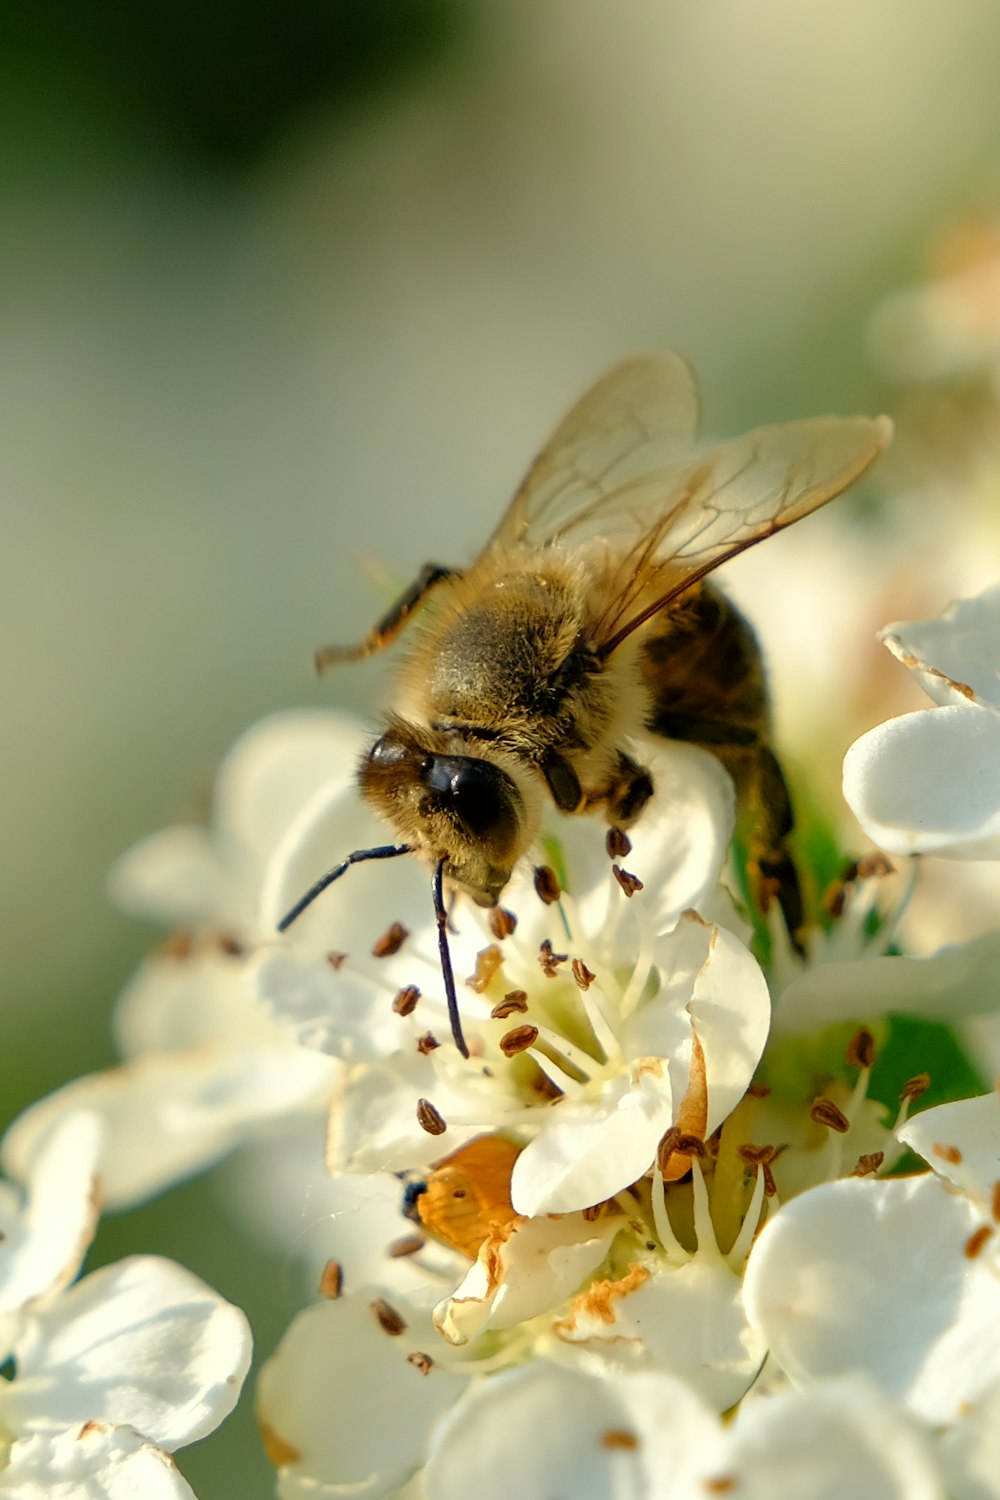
pixel 141 1342
pixel 953 983
pixel 176 877
pixel 686 1321
pixel 342 1012
pixel 880 1277
pixel 341 1404
pixel 838 1440
pixel 956 657
pixel 91 1461
pixel 170 1115
pixel 969 1452
pixel 174 1003
pixel 276 767
pixel 544 1431
pixel 961 1141
pixel 43 1245
pixel 929 783
pixel 587 1152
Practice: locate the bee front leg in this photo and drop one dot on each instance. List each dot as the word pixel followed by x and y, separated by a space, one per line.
pixel 386 629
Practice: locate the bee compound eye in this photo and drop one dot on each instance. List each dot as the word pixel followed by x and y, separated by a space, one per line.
pixel 482 797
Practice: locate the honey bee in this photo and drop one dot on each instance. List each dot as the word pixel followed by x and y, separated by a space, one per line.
pixel 584 625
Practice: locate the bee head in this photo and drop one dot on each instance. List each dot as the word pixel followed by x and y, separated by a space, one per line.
pixel 467 809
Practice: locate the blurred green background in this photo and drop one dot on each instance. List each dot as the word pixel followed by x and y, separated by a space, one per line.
pixel 285 286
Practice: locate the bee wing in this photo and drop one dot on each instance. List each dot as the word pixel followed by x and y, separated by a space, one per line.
pixel 639 419
pixel 687 521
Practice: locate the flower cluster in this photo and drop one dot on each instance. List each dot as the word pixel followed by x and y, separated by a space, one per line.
pixel 671 1178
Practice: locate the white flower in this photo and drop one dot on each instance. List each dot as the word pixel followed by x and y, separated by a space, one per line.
pixel 207 1067
pixel 108 1376
pixel 897 1278
pixel 929 782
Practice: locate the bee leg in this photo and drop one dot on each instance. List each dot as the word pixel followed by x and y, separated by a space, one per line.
pixel 761 790
pixel 624 794
pixel 386 629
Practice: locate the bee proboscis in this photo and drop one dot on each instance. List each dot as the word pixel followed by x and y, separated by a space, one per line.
pixel 584 625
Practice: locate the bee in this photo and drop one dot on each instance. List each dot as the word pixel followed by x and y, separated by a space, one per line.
pixel 586 624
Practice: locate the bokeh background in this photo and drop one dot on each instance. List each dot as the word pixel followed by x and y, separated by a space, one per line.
pixel 290 295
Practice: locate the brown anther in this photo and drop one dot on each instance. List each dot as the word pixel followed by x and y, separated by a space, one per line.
pixel 583 976
pixel 336 960
pixel 429 1118
pixel 515 1002
pixel 420 1361
pixel 947 1153
pixel 825 1112
pixel 518 1039
pixel 758 1091
pixel 770 1186
pixel 834 898
pixel 547 886
pixel 405 1002
pixel 995 1202
pixel 229 944
pixel 618 843
pixel 391 941
pixel 868 1163
pixel 502 922
pixel 407 1244
pixel 427 1044
pixel 592 1213
pixel 977 1240
pixel 488 962
pixel 723 1484
pixel 628 882
pixel 755 1156
pixel 179 945
pixel 875 866
pixel 89 1427
pixel 861 1049
pixel 914 1087
pixel 388 1318
pixel 849 873
pixel 331 1280
pixel 617 1437
pixel 550 961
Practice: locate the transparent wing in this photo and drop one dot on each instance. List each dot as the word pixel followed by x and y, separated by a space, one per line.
pixel 639 419
pixel 681 524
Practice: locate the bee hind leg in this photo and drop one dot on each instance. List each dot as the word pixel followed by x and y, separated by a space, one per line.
pixel 389 625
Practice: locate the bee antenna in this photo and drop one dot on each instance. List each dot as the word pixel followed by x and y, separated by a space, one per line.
pixel 385 851
pixel 447 972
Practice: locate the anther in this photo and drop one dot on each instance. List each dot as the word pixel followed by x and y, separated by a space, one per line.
pixel 427 1044
pixel 518 1039
pixel 391 941
pixel 583 976
pixel 550 961
pixel 547 886
pixel 617 1437
pixel 515 1002
pixel 825 1112
pixel 331 1281
pixel 336 960
pixel 502 922
pixel 628 882
pixel 868 1163
pixel 406 1245
pixel 421 1361
pixel 429 1118
pixel 861 1049
pixel 405 1002
pixel 617 843
pixel 388 1318
pixel 977 1240
pixel 914 1087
